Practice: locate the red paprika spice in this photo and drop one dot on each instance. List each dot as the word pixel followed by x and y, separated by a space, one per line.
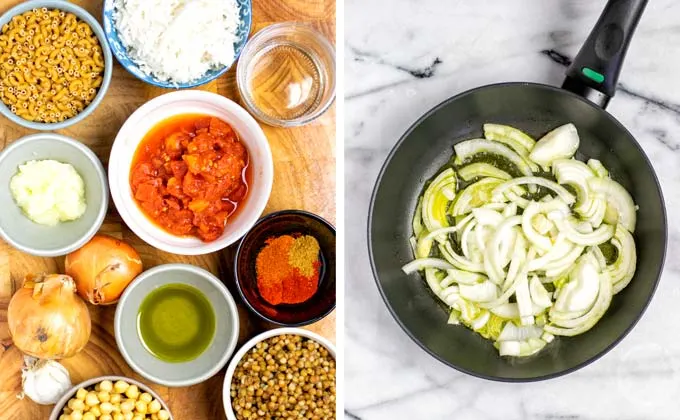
pixel 287 269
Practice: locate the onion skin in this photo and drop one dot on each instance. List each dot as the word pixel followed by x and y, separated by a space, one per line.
pixel 103 268
pixel 47 319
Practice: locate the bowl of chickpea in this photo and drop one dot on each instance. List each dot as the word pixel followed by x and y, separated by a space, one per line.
pixel 55 64
pixel 111 398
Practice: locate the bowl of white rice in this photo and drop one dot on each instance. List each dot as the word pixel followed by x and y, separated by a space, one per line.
pixel 177 43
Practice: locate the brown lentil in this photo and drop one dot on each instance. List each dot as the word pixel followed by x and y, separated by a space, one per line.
pixel 286 376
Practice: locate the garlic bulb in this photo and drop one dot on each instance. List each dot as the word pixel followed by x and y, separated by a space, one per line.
pixel 44 381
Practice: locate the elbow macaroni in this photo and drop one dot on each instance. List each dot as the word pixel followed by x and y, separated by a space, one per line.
pixel 51 65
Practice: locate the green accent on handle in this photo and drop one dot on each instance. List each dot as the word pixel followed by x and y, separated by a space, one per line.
pixel 593 75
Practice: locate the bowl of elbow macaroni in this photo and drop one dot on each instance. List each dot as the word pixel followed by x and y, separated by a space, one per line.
pixel 55 64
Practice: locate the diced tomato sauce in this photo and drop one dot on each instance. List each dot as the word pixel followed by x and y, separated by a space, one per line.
pixel 189 175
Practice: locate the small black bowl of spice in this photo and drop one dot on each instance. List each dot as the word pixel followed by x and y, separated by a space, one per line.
pixel 285 268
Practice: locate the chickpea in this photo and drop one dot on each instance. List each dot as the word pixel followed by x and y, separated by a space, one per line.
pixel 81 394
pixel 91 399
pixel 64 417
pixel 141 407
pixel 163 415
pixel 106 386
pixel 103 396
pixel 128 416
pixel 121 386
pixel 96 411
pixel 76 405
pixel 145 397
pixel 127 406
pixel 138 417
pixel 154 407
pixel 106 407
pixel 116 399
pixel 89 416
pixel 118 416
pixel 132 392
pixel 76 415
pixel 106 417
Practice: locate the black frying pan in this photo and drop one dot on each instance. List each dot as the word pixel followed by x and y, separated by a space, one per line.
pixel 536 109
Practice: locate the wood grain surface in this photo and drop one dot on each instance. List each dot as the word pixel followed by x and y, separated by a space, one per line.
pixel 304 178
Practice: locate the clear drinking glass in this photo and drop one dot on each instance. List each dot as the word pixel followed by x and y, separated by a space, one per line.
pixel 286 74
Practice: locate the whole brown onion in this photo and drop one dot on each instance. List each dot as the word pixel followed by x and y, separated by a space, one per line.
pixel 103 268
pixel 47 319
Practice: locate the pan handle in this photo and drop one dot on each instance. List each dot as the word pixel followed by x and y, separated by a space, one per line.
pixel 595 70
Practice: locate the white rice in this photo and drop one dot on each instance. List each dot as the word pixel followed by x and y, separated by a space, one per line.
pixel 178 40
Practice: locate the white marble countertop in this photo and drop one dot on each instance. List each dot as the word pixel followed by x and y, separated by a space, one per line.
pixel 405 56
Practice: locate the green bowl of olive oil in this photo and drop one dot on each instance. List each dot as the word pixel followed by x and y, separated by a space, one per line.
pixel 176 325
pixel 176 322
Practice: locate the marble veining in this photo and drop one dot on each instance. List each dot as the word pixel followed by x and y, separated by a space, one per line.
pixel 405 56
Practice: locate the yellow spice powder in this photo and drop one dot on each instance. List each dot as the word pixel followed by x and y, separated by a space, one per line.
pixel 303 254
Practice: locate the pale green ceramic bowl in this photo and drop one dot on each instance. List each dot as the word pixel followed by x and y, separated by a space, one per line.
pixel 51 241
pixel 184 373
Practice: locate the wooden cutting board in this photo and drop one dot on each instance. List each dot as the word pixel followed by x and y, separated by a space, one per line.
pixel 304 178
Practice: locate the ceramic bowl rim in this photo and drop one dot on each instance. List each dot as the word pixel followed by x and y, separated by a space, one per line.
pixel 236 359
pixel 218 285
pixel 108 61
pixel 259 140
pixel 111 28
pixel 56 411
pixel 102 181
pixel 237 279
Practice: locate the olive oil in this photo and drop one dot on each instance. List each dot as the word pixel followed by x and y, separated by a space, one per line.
pixel 285 81
pixel 176 323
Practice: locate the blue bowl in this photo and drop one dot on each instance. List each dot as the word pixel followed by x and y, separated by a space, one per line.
pixel 120 51
pixel 83 15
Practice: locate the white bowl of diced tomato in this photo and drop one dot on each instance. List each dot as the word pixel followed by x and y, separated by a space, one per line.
pixel 190 172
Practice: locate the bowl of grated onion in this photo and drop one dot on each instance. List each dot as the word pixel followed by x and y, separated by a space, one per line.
pixel 177 43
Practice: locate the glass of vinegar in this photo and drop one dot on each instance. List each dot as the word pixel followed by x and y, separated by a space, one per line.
pixel 286 74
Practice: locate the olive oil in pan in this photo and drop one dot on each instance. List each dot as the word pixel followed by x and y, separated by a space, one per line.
pixel 285 81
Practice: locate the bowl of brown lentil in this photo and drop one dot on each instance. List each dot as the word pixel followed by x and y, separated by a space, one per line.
pixel 282 373
pixel 111 398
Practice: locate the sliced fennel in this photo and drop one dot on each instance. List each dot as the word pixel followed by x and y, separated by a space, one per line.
pixel 436 200
pixel 512 135
pixel 620 205
pixel 565 195
pixel 598 168
pixel 417 223
pixel 517 267
pixel 576 174
pixel 622 270
pixel 560 143
pixel 423 263
pixel 515 139
pixel 467 149
pixel 474 195
pixel 423 245
pixel 481 170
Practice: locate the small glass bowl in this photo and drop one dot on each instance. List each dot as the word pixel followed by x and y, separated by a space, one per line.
pixel 304 39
